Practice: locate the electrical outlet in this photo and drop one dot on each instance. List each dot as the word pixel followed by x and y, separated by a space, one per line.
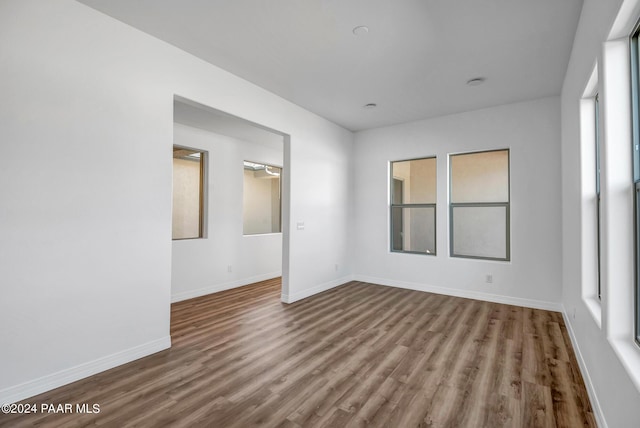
pixel 229 268
pixel 337 267
pixel 488 278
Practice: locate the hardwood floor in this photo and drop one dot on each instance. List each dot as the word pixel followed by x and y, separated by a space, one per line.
pixel 356 355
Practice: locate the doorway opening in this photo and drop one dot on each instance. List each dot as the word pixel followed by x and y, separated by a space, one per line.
pixel 224 256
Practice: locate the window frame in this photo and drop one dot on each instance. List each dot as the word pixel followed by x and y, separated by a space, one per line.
pixel 280 168
pixel 392 205
pixel 635 156
pixel 596 100
pixel 204 156
pixel 506 205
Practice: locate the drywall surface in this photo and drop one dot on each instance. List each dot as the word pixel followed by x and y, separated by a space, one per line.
pixel 612 391
pixel 85 180
pixel 531 131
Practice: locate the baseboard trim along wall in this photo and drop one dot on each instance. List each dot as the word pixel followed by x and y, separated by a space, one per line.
pixel 290 298
pixel 467 294
pixel 66 376
pixel 186 295
pixel 597 411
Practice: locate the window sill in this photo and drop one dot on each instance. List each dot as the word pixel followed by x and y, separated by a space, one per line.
pixel 479 260
pixel 415 253
pixel 262 234
pixel 595 309
pixel 629 354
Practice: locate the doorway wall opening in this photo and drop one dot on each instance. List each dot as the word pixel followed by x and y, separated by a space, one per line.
pixel 226 256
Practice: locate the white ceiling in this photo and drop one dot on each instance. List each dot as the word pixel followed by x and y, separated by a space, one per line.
pixel 414 62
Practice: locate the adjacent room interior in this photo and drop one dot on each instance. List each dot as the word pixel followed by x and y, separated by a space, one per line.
pixel 285 213
pixel 234 194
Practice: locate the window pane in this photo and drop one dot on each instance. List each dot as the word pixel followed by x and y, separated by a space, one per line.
pixel 413 229
pixel 480 177
pixel 187 193
pixel 635 88
pixel 480 231
pixel 597 141
pixel 637 239
pixel 418 179
pixel 635 97
pixel 261 199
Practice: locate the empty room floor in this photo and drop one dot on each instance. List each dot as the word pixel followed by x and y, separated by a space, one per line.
pixel 359 354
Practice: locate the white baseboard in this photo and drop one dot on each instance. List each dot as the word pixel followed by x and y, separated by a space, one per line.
pixel 468 294
pixel 597 410
pixel 186 295
pixel 290 298
pixel 66 376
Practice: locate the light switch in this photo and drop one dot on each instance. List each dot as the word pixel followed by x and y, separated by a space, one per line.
pixel 300 225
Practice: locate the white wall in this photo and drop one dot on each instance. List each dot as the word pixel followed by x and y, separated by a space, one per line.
pixel 85 183
pixel 531 131
pixel 201 266
pixel 603 352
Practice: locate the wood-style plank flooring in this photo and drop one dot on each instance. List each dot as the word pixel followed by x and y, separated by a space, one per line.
pixel 356 355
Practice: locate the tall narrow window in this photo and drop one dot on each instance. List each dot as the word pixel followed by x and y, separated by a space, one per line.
pixel 413 206
pixel 188 193
pixel 635 97
pixel 597 173
pixel 261 199
pixel 479 205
